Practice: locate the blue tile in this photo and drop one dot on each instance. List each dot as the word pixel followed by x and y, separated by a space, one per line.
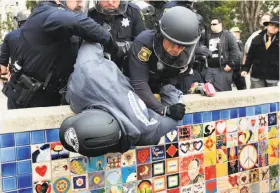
pixel 180 123
pixel 216 115
pixel 7 140
pixel 24 167
pixel 242 111
pixel 225 114
pixel 12 192
pixel 273 107
pixel 258 109
pixel 10 155
pixel 278 105
pixel 37 137
pixel 52 135
pixel 207 117
pixel 8 169
pixel 250 111
pixel 9 184
pixel 188 119
pixel 23 153
pixel 265 108
pixel 197 118
pixel 233 113
pixel 22 138
pixel 25 181
pixel 28 190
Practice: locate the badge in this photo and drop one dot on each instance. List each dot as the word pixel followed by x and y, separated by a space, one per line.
pixel 144 54
pixel 125 22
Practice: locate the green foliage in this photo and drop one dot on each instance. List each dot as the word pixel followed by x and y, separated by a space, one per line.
pixel 31 4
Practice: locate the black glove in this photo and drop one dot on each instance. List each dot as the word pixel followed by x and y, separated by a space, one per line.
pixel 176 111
pixel 203 51
pixel 113 48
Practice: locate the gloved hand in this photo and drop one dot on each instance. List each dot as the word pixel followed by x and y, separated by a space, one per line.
pixel 176 111
pixel 203 51
pixel 113 48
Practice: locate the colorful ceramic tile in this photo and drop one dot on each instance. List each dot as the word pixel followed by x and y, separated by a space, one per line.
pixel 248 157
pixel 211 186
pixel 246 137
pixel 264 186
pixel 96 163
pixel 264 173
pixel 232 139
pixel 186 189
pixel 254 176
pixel 209 129
pixel 172 136
pixel 40 153
pixel 42 186
pixel 74 154
pixel 78 165
pixel 221 155
pixel 263 133
pixel 145 186
pixel 196 131
pixel 79 183
pixel 144 171
pixel 130 188
pixel 60 168
pixel 199 188
pixel 158 152
pixel 210 144
pixel 255 188
pixel 274 171
pixel 272 119
pixel 274 184
pixel 232 153
pixel 232 167
pixel 194 168
pixel 161 141
pixel 129 158
pixel 221 169
pixel 172 166
pixel 58 151
pixel 159 184
pixel 101 190
pixel 191 147
pixel 173 181
pixel 263 160
pixel 143 155
pixel 115 189
pixel 243 178
pixel 245 189
pixel 273 151
pixel 221 141
pixel 232 125
pixel 184 132
pixel 41 171
pixel 210 158
pixel 175 190
pixel 210 172
pixel 263 147
pixel 62 185
pixel 129 174
pixel 243 123
pixel 158 168
pixel 113 177
pixel 112 160
pixel 172 150
pixel 96 180
pixel 253 124
pixel 221 127
pixel 272 132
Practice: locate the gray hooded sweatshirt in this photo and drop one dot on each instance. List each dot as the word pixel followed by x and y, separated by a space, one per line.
pixel 98 82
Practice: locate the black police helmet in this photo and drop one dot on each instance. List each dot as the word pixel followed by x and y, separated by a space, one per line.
pixel 91 133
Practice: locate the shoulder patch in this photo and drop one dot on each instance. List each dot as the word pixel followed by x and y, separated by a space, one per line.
pixel 144 54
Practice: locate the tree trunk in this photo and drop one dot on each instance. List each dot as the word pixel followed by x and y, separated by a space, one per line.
pixel 250 14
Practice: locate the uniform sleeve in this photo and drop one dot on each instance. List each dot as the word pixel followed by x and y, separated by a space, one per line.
pixel 64 23
pixel 139 24
pixel 5 53
pixel 139 77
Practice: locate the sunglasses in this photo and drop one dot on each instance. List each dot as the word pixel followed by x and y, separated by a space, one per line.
pixel 214 23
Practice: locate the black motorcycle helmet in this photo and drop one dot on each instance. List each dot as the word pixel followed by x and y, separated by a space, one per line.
pixel 93 132
pixel 180 26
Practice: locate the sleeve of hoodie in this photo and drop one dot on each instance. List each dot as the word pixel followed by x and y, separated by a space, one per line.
pixel 233 49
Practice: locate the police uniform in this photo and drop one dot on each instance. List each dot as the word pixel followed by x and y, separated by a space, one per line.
pixel 124 27
pixel 47 51
pixel 152 19
pixel 146 72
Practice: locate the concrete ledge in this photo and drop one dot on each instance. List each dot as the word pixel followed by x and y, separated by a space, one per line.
pixel 51 117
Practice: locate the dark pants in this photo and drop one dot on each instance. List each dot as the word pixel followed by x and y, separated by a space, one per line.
pixel 238 80
pixel 40 99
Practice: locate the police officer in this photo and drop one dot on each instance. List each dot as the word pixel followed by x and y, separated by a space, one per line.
pixel 156 58
pixel 123 19
pixel 10 43
pixel 47 50
pixel 201 51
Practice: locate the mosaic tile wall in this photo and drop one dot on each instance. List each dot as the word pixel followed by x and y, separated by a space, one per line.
pixel 227 151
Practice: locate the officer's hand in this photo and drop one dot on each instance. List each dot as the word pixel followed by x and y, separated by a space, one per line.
pixel 5 73
pixel 227 68
pixel 243 73
pixel 176 111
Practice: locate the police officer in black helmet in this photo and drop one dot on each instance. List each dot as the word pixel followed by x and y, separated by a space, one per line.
pixel 47 50
pixel 157 58
pixel 123 19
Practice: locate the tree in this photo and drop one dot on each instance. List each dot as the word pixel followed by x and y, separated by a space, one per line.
pixel 31 4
